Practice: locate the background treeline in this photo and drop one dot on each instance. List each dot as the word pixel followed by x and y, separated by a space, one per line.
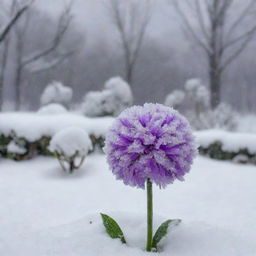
pixel 42 47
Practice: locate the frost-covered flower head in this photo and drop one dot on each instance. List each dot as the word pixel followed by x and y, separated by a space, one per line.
pixel 151 141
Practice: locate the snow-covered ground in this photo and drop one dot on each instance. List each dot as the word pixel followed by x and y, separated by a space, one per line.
pixel 45 212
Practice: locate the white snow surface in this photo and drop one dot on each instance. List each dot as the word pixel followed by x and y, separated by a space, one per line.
pixel 46 212
pixel 52 109
pixel 71 141
pixel 32 126
pixel 231 141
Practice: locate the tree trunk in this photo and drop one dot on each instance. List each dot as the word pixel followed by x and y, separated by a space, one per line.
pixel 215 83
pixel 215 54
pixel 1 93
pixel 18 88
pixel 3 67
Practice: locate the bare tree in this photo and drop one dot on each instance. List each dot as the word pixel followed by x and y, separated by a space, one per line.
pixel 219 34
pixel 39 60
pixel 15 13
pixel 131 19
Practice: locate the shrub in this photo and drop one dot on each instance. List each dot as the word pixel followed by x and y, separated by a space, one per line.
pixel 56 92
pixel 70 146
pixel 198 110
pixel 115 97
pixel 175 99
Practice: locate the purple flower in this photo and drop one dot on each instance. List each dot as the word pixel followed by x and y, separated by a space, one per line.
pixel 151 141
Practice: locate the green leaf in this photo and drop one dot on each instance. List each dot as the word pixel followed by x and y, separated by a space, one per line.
pixel 162 231
pixel 112 228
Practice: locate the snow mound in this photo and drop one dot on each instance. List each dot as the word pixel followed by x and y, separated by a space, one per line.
pixel 52 109
pixel 231 141
pixel 71 141
pixel 88 237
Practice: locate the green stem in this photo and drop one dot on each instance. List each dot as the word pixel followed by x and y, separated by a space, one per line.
pixel 149 215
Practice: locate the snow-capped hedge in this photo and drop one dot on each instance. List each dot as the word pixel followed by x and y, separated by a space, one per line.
pixel 223 145
pixel 33 127
pixel 31 133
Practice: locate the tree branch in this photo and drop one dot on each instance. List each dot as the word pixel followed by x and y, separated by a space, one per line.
pixel 46 65
pixel 201 20
pixel 241 17
pixel 12 22
pixel 189 27
pixel 240 38
pixel 237 52
pixel 63 25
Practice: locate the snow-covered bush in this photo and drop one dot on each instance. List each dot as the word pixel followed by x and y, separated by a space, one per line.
pixel 196 107
pixel 224 117
pixel 70 146
pixel 35 131
pixel 198 97
pixel 175 99
pixel 56 92
pixel 52 109
pixel 18 148
pixel 200 114
pixel 96 103
pixel 198 94
pixel 114 98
